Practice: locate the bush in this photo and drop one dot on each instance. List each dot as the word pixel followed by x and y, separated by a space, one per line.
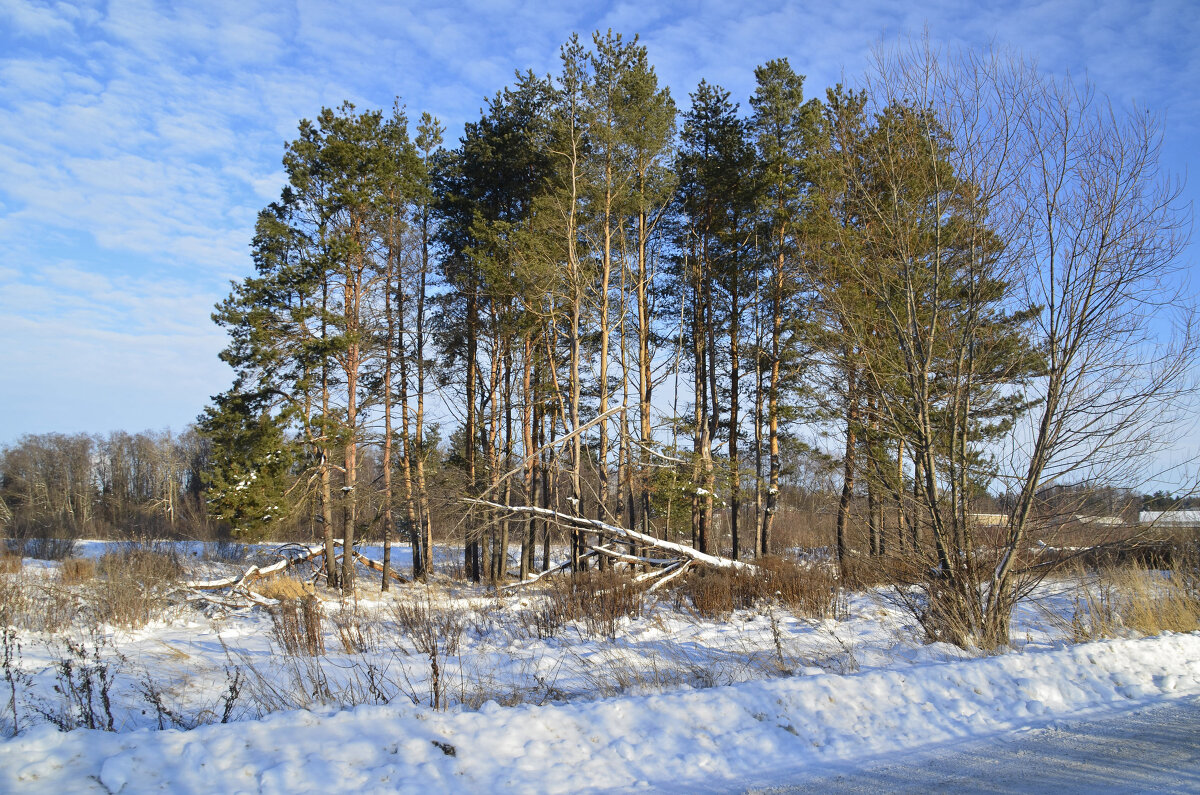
pixel 598 600
pixel 357 629
pixel 432 630
pixel 49 548
pixel 296 625
pixel 135 581
pixel 226 551
pixel 711 592
pixel 808 591
pixel 436 633
pixel 77 570
pixel 10 562
pixel 146 563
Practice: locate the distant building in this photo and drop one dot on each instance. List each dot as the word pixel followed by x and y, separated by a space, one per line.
pixel 1170 518
pixel 1099 521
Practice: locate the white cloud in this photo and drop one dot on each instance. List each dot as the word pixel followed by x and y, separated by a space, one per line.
pixel 95 352
pixel 33 19
pixel 138 139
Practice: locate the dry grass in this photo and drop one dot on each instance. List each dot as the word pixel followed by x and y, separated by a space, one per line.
pixel 803 530
pixel 358 629
pixel 433 629
pixel 296 626
pixel 599 601
pixel 810 591
pixel 30 603
pixel 282 588
pixel 1137 598
pixel 77 570
pixel 1146 601
pixel 134 584
pixel 11 561
pixel 145 564
pixel 806 591
pixel 16 601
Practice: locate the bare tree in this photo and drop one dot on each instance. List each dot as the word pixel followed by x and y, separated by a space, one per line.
pixel 1038 328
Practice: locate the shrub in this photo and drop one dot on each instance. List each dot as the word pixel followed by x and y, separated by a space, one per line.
pixel 151 564
pixel 226 551
pixel 296 625
pixel 711 592
pixel 135 581
pixel 810 591
pixel 357 629
pixel 436 633
pixel 86 674
pixel 77 570
pixel 807 591
pixel 10 561
pixel 598 600
pixel 49 548
pixel 430 628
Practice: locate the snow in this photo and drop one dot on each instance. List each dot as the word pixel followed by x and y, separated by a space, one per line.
pixel 673 702
pixel 747 734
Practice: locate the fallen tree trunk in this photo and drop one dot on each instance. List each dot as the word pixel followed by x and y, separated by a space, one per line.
pixel 540 575
pixel 376 566
pixel 622 533
pixel 238 593
pixel 256 572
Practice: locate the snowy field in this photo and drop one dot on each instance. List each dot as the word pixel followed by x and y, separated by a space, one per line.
pixel 663 700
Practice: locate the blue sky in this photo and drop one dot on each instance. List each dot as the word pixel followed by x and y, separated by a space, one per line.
pixel 138 140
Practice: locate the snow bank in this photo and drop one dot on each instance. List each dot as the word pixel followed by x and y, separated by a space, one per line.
pixel 706 740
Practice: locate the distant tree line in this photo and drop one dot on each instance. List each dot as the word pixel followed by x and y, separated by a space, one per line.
pixel 123 485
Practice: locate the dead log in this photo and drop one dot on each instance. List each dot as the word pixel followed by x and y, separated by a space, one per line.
pixel 304 553
pixel 540 575
pixel 623 533
pixel 377 566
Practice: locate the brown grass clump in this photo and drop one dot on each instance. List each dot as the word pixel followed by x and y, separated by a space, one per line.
pixel 598 600
pixel 862 571
pixel 282 587
pixel 1146 601
pixel 806 591
pixel 134 585
pixel 17 601
pixel 1142 598
pixel 711 592
pixel 77 570
pixel 810 591
pixel 10 561
pixel 296 625
pixel 143 564
pixel 32 604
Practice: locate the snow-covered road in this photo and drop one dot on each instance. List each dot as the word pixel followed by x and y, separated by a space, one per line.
pixel 1149 749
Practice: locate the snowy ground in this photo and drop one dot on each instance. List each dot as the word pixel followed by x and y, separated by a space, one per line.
pixel 673 702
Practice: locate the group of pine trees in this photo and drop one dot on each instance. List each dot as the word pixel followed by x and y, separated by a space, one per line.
pixel 628 311
pixel 628 305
